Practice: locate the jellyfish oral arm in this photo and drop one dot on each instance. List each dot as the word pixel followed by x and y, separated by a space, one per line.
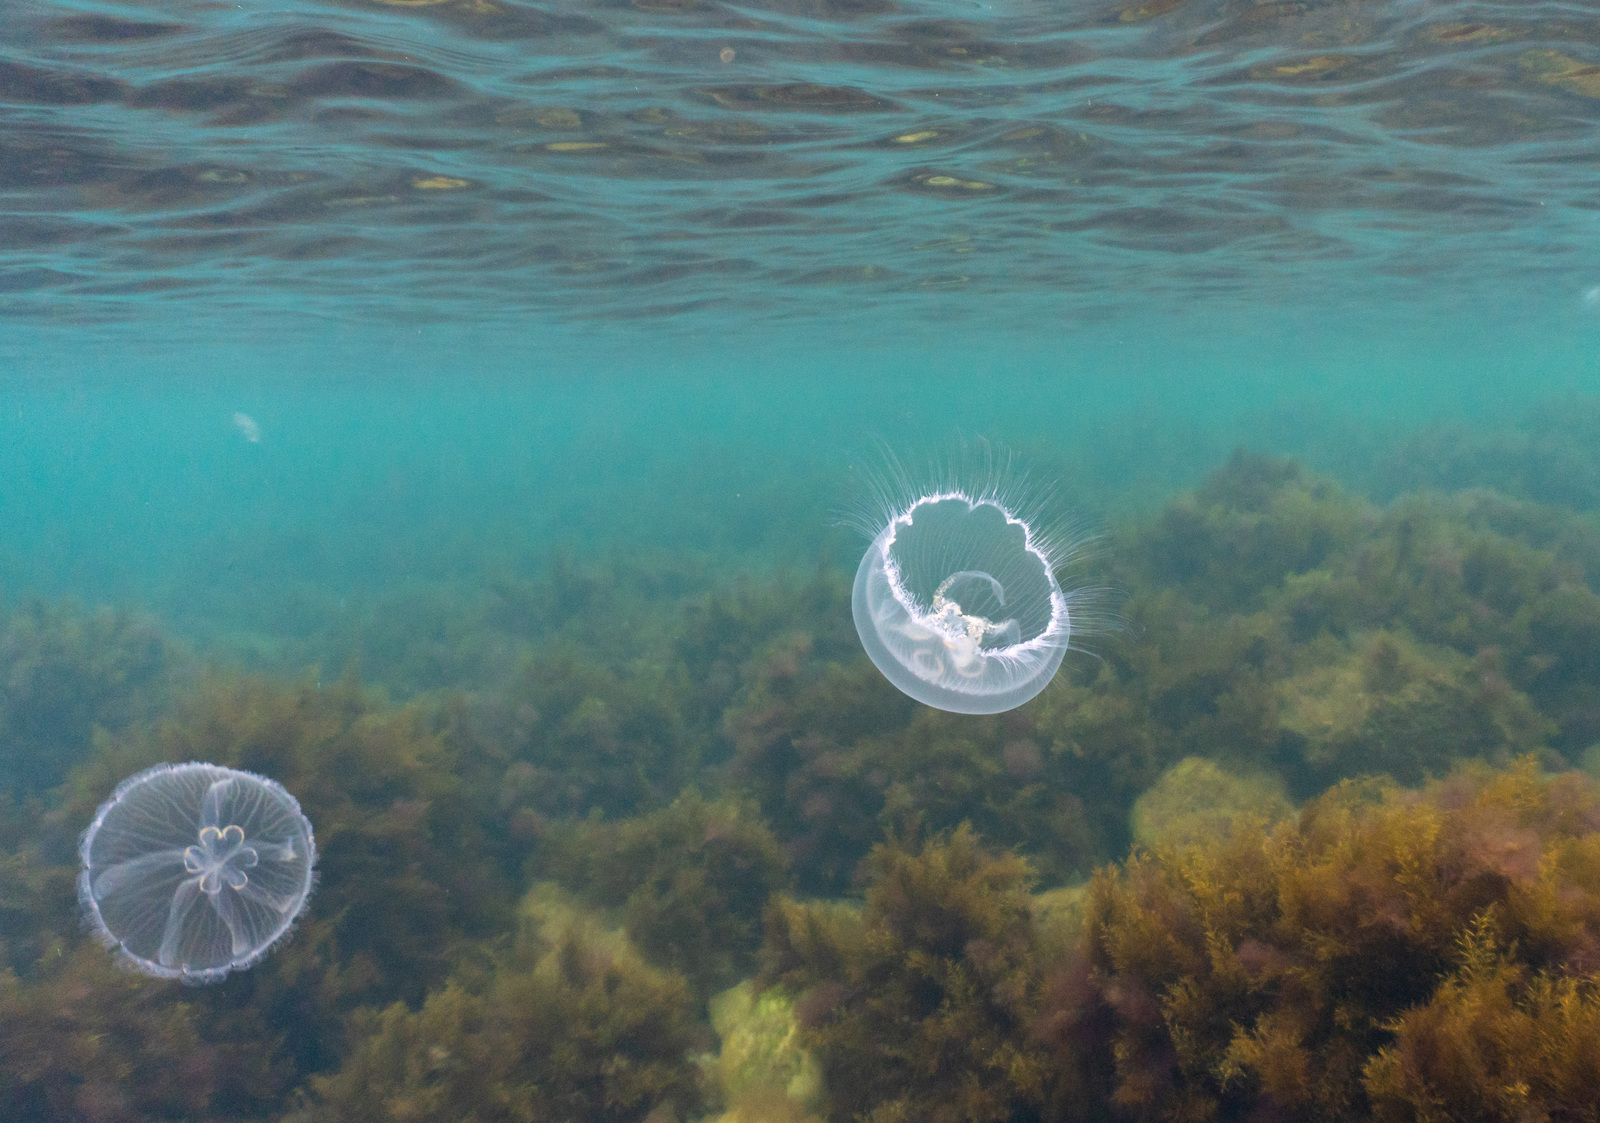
pixel 134 870
pixel 967 631
pixel 965 575
pixel 183 900
pixel 228 910
pixel 279 904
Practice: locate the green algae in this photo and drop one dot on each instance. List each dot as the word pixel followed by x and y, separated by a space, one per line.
pixel 65 671
pixel 1196 800
pixel 763 1073
pixel 916 1004
pixel 568 1023
pixel 690 882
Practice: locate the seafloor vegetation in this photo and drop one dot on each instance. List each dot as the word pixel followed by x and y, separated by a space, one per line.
pixel 1317 836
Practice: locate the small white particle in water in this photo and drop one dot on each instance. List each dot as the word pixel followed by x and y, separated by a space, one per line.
pixel 1591 299
pixel 247 427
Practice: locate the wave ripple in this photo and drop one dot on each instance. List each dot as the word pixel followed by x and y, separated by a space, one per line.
pixel 787 158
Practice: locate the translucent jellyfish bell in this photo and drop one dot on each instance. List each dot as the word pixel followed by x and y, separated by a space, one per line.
pixel 957 602
pixel 192 870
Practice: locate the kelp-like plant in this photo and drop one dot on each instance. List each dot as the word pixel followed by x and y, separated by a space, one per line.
pixel 570 1023
pixel 1297 972
pixel 65 670
pixel 1497 1041
pixel 691 880
pixel 917 1004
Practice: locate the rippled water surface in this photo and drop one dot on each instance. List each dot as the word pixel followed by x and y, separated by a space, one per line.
pixel 793 158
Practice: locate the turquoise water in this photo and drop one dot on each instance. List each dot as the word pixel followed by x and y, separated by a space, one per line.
pixel 1019 219
pixel 464 365
pixel 577 262
pixel 439 454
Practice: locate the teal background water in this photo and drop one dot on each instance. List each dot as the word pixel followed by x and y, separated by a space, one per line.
pixel 495 277
pixel 435 456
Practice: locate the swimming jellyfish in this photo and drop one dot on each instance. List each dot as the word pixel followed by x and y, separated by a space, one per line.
pixel 193 870
pixel 956 600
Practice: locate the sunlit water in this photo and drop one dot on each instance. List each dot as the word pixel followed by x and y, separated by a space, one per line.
pixel 432 159
pixel 489 278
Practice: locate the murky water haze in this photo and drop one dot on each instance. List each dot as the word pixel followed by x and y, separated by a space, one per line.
pixel 441 453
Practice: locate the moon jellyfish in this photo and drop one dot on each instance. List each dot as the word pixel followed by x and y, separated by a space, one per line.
pixel 192 870
pixel 956 600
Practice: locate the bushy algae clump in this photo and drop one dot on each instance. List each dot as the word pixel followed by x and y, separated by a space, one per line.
pixel 1390 953
pixel 64 671
pixel 1498 1041
pixel 568 1023
pixel 1384 703
pixel 580 737
pixel 81 1039
pixel 1547 456
pixel 1383 952
pixel 691 882
pixel 917 1004
pixel 836 758
pixel 1285 623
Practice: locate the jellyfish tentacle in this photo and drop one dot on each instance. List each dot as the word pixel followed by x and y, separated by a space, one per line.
pixel 222 904
pixel 183 900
